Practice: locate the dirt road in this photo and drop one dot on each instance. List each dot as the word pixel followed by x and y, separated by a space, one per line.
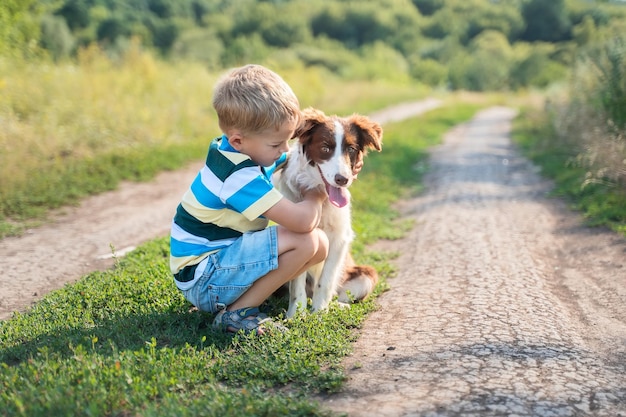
pixel 504 303
pixel 83 239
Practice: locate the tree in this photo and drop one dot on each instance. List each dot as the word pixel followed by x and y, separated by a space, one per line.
pixel 428 7
pixel 164 34
pixel 19 26
pixel 354 27
pixel 75 13
pixel 56 37
pixel 537 70
pixel 110 29
pixel 546 21
pixel 485 66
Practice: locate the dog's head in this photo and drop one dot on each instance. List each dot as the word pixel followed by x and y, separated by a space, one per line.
pixel 335 145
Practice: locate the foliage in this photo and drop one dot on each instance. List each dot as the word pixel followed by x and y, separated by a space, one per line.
pixel 428 71
pixel 81 129
pixel 546 21
pixel 592 117
pixel 56 37
pixel 485 66
pixel 608 63
pixel 537 69
pixel 125 342
pixel 19 28
pixel 561 159
pixel 427 7
pixel 223 33
pixel 69 131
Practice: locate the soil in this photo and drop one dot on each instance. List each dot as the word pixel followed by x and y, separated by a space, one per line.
pixel 504 302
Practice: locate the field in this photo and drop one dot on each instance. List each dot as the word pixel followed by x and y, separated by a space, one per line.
pixel 125 342
pixel 81 129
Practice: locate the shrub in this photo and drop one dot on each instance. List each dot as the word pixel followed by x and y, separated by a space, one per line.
pixel 536 70
pixel 594 117
pixel 428 71
pixel 56 37
pixel 486 67
pixel 609 66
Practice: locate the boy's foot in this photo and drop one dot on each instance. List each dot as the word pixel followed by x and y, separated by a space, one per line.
pixel 248 319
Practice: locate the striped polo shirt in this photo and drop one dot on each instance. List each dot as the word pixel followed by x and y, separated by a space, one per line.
pixel 227 198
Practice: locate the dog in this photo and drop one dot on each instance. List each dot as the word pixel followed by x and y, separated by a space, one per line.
pixel 324 155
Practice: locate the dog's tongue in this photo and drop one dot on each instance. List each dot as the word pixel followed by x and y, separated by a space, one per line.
pixel 337 196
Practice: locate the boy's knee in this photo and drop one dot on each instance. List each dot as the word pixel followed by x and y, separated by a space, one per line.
pixel 323 242
pixel 321 246
pixel 312 245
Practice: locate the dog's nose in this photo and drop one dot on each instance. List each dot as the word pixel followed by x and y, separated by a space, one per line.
pixel 340 180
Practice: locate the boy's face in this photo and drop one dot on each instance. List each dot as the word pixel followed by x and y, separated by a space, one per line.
pixel 264 147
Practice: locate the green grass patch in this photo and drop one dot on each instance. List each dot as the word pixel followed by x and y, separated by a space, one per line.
pixel 69 131
pixel 63 184
pixel 125 342
pixel 601 203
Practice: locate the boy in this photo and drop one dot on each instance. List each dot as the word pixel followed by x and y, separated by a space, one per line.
pixel 223 256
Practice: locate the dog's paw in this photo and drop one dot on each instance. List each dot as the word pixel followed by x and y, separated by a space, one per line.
pixel 295 309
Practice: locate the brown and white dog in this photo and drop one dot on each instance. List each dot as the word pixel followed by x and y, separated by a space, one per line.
pixel 324 154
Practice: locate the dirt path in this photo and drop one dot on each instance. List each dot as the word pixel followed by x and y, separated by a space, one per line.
pixel 504 303
pixel 80 239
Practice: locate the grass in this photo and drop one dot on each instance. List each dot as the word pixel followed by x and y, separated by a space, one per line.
pixel 602 204
pixel 124 341
pixel 72 130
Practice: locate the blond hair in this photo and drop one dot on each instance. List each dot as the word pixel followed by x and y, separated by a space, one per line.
pixel 253 98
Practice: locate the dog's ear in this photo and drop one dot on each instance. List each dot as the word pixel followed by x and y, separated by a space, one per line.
pixel 370 132
pixel 310 118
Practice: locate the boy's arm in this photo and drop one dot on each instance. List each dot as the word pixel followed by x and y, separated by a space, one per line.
pixel 299 217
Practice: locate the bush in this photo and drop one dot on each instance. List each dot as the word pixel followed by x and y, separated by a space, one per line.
pixel 428 71
pixel 56 37
pixel 200 45
pixel 381 62
pixel 609 66
pixel 19 26
pixel 546 21
pixel 486 67
pixel 593 118
pixel 536 70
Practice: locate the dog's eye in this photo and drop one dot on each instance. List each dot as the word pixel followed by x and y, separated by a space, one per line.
pixel 352 150
pixel 326 149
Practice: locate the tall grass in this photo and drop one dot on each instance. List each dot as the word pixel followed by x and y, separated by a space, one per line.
pixel 592 117
pixel 602 203
pixel 124 341
pixel 579 139
pixel 70 130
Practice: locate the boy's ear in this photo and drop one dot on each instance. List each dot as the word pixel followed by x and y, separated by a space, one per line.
pixel 235 140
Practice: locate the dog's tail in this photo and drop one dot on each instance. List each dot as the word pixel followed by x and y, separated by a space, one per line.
pixel 358 284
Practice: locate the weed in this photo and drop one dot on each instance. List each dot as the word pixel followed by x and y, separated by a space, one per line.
pixel 602 203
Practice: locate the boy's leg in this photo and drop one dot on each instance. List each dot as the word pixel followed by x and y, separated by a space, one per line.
pixel 296 253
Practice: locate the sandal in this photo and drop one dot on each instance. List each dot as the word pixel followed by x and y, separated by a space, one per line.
pixel 248 319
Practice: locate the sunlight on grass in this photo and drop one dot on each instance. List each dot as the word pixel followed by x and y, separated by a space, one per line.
pixel 69 131
pixel 125 342
pixel 602 204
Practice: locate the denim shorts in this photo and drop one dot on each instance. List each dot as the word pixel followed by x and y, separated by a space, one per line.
pixel 231 271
